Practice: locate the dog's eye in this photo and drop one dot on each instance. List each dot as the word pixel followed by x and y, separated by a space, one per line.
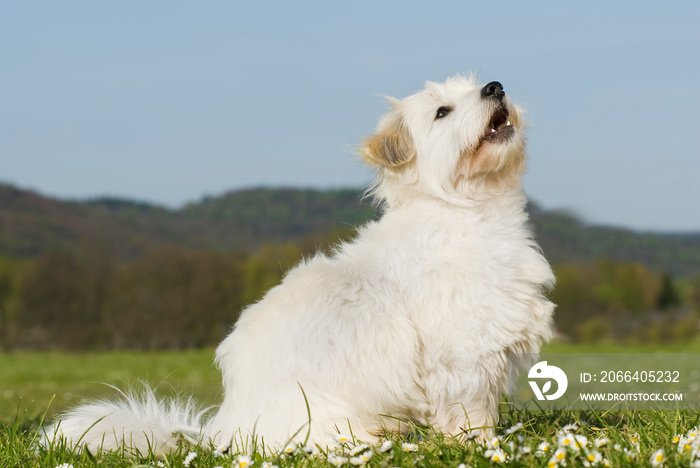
pixel 442 112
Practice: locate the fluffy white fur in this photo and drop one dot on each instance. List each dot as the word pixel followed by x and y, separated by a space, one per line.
pixel 421 318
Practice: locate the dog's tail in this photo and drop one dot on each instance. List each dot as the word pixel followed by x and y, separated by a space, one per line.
pixel 137 422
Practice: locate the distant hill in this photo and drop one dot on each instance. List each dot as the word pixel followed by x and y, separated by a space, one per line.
pixel 565 238
pixel 31 224
pixel 249 217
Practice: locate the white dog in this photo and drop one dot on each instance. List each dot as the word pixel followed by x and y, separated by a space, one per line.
pixel 421 318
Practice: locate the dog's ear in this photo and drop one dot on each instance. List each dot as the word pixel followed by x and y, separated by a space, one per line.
pixel 392 145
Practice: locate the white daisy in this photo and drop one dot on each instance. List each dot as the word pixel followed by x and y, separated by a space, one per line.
pixel 556 461
pixel 566 440
pixel 560 454
pixel 469 435
pixel 493 443
pixel 543 448
pixel 684 444
pixel 343 439
pixel 580 442
pixel 362 458
pixel 242 461
pixel 337 460
pixel 220 450
pixel 513 428
pixel 498 456
pixel 594 457
pixel 601 442
pixel 634 438
pixel 658 458
pixel 386 446
pixel 406 447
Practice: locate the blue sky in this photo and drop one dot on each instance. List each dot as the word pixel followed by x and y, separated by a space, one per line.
pixel 169 101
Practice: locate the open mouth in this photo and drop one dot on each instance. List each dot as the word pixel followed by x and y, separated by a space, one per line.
pixel 499 128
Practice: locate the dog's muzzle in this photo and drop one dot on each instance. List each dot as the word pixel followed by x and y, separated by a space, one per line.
pixel 499 128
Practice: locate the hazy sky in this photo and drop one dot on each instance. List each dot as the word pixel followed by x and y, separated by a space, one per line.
pixel 168 101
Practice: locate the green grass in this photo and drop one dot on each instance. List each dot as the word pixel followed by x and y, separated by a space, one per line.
pixel 29 381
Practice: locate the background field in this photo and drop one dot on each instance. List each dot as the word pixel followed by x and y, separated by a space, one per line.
pixel 29 381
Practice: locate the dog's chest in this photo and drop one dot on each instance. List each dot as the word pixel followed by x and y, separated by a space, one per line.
pixel 460 273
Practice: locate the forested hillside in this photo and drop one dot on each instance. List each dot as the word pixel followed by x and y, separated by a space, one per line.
pixel 132 275
pixel 31 224
pixel 564 238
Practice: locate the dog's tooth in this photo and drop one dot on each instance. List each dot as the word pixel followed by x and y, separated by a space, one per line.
pixel 508 123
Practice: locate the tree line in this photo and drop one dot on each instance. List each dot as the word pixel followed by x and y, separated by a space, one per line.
pixel 625 302
pixel 174 297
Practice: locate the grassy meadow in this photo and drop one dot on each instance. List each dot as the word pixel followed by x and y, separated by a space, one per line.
pixel 34 386
pixel 47 383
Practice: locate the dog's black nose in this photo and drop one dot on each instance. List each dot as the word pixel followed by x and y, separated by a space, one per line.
pixel 493 89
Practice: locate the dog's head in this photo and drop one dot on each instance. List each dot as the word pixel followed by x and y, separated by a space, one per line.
pixel 456 140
